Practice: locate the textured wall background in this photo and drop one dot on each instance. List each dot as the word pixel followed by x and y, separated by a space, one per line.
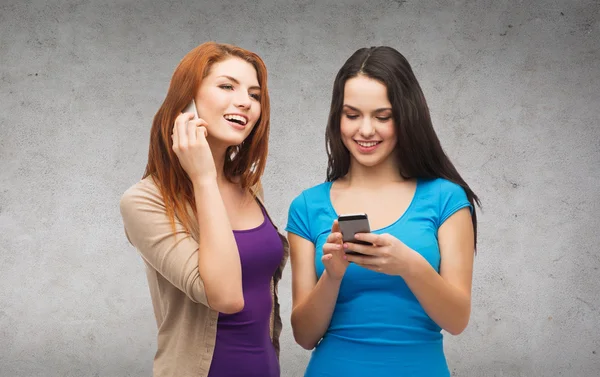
pixel 513 86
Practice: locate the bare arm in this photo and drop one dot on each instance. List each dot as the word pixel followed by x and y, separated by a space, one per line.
pixel 176 255
pixel 314 301
pixel 218 256
pixel 446 297
pixel 208 271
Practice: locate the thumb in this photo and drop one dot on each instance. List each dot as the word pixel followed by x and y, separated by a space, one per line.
pixel 335 228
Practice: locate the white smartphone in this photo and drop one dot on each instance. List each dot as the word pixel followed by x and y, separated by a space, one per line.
pixel 191 108
pixel 351 224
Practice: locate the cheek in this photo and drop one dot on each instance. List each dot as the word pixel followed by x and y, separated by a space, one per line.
pixel 256 111
pixel 346 129
pixel 388 132
pixel 206 106
pixel 214 99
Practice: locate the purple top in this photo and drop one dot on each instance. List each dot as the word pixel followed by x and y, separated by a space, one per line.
pixel 243 346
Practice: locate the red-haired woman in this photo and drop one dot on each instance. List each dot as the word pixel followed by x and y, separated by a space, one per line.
pixel 197 218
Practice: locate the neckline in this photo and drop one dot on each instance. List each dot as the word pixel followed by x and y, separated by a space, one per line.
pixel 398 220
pixel 258 227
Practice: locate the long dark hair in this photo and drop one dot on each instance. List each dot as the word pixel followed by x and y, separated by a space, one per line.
pixel 419 153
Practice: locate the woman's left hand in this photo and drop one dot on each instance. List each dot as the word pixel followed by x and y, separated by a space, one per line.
pixel 387 255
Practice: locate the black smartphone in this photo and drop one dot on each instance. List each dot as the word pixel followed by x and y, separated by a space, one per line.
pixel 350 225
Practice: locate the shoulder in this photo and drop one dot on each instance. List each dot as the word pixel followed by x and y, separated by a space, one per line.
pixel 143 192
pixel 317 192
pixel 316 196
pixel 440 198
pixel 308 211
pixel 440 186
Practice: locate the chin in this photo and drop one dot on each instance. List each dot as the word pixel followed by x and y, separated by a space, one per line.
pixel 369 161
pixel 228 139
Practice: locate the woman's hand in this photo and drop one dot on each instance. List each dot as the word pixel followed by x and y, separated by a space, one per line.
pixel 192 149
pixel 333 253
pixel 387 255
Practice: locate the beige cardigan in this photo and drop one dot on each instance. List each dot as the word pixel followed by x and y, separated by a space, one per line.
pixel 187 327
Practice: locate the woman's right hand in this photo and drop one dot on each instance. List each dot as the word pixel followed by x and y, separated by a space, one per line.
pixel 192 149
pixel 333 253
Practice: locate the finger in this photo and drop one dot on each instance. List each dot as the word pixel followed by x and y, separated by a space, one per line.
pixel 326 258
pixel 181 125
pixel 330 248
pixel 192 133
pixel 200 122
pixel 201 133
pixel 375 268
pixel 373 238
pixel 199 125
pixel 188 115
pixel 363 249
pixel 334 237
pixel 183 118
pixel 362 260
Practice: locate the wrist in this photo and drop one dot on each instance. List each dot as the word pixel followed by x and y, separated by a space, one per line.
pixel 203 182
pixel 415 268
pixel 328 277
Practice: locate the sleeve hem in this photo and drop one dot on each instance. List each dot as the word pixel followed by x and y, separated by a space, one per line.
pixel 293 231
pixel 454 210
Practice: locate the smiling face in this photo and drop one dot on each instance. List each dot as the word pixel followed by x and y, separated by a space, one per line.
pixel 229 101
pixel 367 126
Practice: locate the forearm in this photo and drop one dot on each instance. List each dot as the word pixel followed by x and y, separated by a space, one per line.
pixel 447 305
pixel 311 317
pixel 218 256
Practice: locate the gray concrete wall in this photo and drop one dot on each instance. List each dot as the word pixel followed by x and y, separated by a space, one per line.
pixel 514 89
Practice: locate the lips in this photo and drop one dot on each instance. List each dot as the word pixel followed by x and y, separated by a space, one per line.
pixel 239 119
pixel 367 146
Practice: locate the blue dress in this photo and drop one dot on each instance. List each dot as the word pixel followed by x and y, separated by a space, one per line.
pixel 378 328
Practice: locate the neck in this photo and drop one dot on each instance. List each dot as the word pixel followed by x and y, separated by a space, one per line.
pixel 218 153
pixel 373 176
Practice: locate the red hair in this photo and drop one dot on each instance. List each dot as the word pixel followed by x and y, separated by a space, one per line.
pixel 247 161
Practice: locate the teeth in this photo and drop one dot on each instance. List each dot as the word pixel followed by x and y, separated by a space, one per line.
pixel 367 144
pixel 237 118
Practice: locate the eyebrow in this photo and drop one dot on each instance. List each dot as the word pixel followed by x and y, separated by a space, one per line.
pixel 237 82
pixel 376 111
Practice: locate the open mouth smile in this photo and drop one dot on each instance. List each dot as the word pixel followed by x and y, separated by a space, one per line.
pixel 367 146
pixel 237 119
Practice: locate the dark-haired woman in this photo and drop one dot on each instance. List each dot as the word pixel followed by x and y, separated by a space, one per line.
pixel 381 312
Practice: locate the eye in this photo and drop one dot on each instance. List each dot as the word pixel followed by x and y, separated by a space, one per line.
pixel 384 119
pixel 351 116
pixel 226 86
pixel 255 96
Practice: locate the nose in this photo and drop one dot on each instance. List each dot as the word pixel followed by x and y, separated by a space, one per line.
pixel 366 128
pixel 242 100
